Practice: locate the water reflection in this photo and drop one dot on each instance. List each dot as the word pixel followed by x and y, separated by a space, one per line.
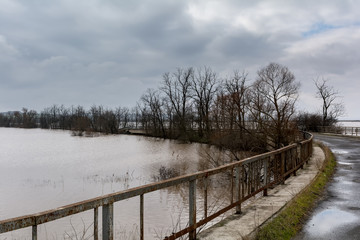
pixel 42 169
pixel 328 221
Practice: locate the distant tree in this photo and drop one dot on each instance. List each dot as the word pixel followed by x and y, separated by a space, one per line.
pixel 5 120
pixel 135 116
pixel 81 122
pixel 55 117
pixel 231 115
pixel 177 90
pixel 331 108
pixel 237 91
pixel 273 98
pixel 152 111
pixel 123 116
pixel 309 121
pixel 204 87
pixel 44 119
pixel 96 117
pixel 222 111
pixel 29 118
pixel 63 115
pixel 111 122
pixel 17 119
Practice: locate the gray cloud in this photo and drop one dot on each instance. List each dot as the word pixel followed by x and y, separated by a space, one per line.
pixel 109 52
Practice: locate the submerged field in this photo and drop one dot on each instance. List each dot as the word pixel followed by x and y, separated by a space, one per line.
pixel 43 169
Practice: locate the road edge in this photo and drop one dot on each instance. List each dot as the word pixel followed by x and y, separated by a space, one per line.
pixel 289 221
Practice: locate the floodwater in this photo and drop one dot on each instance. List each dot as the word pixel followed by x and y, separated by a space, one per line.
pixel 338 215
pixel 46 169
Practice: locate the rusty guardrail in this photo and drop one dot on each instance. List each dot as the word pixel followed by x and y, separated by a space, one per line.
pixel 252 176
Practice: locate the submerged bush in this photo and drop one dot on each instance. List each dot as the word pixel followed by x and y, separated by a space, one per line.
pixel 166 173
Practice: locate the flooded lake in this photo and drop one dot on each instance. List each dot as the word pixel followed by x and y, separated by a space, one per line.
pixel 46 169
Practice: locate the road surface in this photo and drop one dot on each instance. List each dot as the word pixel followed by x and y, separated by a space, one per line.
pixel 338 214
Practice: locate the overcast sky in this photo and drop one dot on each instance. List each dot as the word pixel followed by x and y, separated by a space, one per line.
pixel 108 52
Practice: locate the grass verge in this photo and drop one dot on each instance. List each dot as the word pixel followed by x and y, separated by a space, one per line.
pixel 290 220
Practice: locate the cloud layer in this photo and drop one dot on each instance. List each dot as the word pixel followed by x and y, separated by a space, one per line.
pixel 108 52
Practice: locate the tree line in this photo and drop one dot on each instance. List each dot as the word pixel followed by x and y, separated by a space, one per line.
pixel 199 105
pixel 77 119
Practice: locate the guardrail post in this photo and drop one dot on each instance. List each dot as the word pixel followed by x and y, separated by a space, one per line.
pixel 232 186
pixel 293 159
pixel 266 162
pixel 34 232
pixel 237 191
pixel 282 167
pixel 192 209
pixel 307 152
pixel 302 155
pixel 298 156
pixel 96 223
pixel 108 221
pixel 205 196
pixel 142 217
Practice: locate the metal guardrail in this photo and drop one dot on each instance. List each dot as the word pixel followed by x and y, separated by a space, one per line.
pixel 348 131
pixel 251 176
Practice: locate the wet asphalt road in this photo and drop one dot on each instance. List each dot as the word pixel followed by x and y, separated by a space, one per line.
pixel 338 215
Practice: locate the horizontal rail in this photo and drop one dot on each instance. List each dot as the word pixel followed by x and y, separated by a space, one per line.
pixel 348 131
pixel 274 165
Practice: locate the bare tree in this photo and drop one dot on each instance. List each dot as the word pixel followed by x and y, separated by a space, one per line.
pixel 111 123
pixel 274 94
pixel 5 119
pixel 309 121
pixel 135 116
pixel 81 122
pixel 331 109
pixel 95 115
pixel 222 112
pixel 231 114
pixel 204 87
pixel 28 118
pixel 123 116
pixel 64 117
pixel 177 89
pixel 237 91
pixel 153 112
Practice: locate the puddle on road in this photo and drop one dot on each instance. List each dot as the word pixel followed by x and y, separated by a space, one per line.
pixel 344 163
pixel 340 152
pixel 328 220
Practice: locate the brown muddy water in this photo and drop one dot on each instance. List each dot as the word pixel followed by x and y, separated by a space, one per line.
pixel 46 169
